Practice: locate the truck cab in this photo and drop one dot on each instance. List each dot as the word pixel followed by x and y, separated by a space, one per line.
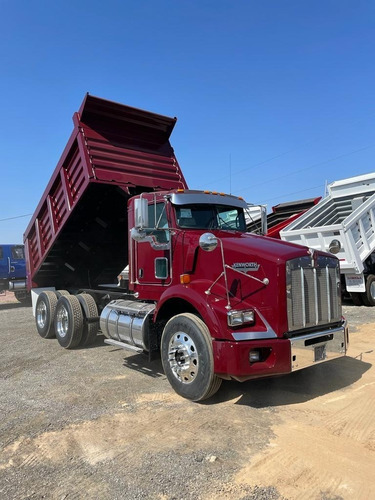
pixel 171 222
pixel 13 270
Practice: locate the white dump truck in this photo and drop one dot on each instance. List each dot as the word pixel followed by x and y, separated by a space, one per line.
pixel 343 223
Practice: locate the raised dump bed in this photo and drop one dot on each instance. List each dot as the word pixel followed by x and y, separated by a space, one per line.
pixel 78 235
pixel 284 213
pixel 344 223
pixel 281 215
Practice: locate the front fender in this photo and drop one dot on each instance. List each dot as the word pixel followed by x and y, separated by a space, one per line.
pixel 197 300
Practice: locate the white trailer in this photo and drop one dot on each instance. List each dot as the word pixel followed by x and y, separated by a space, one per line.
pixel 343 223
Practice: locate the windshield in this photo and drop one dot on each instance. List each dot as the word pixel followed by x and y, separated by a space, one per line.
pixel 210 217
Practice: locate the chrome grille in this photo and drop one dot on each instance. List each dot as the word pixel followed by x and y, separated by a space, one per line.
pixel 313 292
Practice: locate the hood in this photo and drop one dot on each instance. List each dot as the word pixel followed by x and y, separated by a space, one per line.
pixel 255 273
pixel 270 249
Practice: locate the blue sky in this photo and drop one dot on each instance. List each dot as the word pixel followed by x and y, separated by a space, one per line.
pixel 273 98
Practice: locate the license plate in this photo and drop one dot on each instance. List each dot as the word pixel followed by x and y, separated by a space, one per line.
pixel 320 353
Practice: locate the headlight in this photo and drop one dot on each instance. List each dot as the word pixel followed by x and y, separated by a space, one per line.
pixel 237 318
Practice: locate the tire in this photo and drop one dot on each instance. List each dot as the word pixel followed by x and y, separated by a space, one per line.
pixel 356 298
pixel 45 313
pixel 68 321
pixel 90 310
pixel 368 296
pixel 187 357
pixel 61 293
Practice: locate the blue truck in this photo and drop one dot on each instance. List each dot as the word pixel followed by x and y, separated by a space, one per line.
pixel 13 271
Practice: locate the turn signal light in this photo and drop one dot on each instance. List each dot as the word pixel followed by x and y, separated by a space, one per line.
pixel 184 279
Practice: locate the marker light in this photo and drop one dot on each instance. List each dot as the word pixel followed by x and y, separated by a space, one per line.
pixel 184 279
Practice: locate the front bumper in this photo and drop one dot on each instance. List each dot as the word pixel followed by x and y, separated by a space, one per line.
pixel 311 349
pixel 280 355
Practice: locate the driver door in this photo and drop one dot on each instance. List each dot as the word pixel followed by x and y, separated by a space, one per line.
pixel 153 265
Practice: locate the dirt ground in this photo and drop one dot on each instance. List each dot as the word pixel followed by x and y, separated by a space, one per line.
pixel 7 298
pixel 103 423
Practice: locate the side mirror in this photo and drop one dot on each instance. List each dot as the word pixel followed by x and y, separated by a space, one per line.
pixel 138 234
pixel 263 216
pixel 208 242
pixel 334 246
pixel 141 212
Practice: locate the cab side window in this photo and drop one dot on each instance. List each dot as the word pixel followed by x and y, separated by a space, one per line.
pixel 157 218
pixel 1 253
pixel 18 252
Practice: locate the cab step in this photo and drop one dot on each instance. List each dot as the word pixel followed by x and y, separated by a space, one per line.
pixel 123 345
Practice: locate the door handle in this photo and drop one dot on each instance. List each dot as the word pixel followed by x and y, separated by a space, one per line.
pixel 11 268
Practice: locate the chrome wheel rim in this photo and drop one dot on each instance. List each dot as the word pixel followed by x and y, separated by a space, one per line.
pixel 62 322
pixel 372 290
pixel 183 358
pixel 41 315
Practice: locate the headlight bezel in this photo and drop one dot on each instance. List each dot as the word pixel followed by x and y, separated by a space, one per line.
pixel 238 318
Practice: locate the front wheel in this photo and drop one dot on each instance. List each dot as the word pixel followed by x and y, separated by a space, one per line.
pixel 187 357
pixel 90 312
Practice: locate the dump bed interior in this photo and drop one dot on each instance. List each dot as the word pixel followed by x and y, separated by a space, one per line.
pixel 78 235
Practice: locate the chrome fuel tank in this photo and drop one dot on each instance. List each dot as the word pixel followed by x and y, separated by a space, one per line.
pixel 127 321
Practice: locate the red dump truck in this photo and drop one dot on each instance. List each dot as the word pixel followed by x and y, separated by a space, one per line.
pixel 214 301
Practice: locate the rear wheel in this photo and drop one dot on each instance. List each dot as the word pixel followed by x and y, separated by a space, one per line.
pixel 90 311
pixel 61 293
pixel 187 357
pixel 68 321
pixel 44 314
pixel 368 296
